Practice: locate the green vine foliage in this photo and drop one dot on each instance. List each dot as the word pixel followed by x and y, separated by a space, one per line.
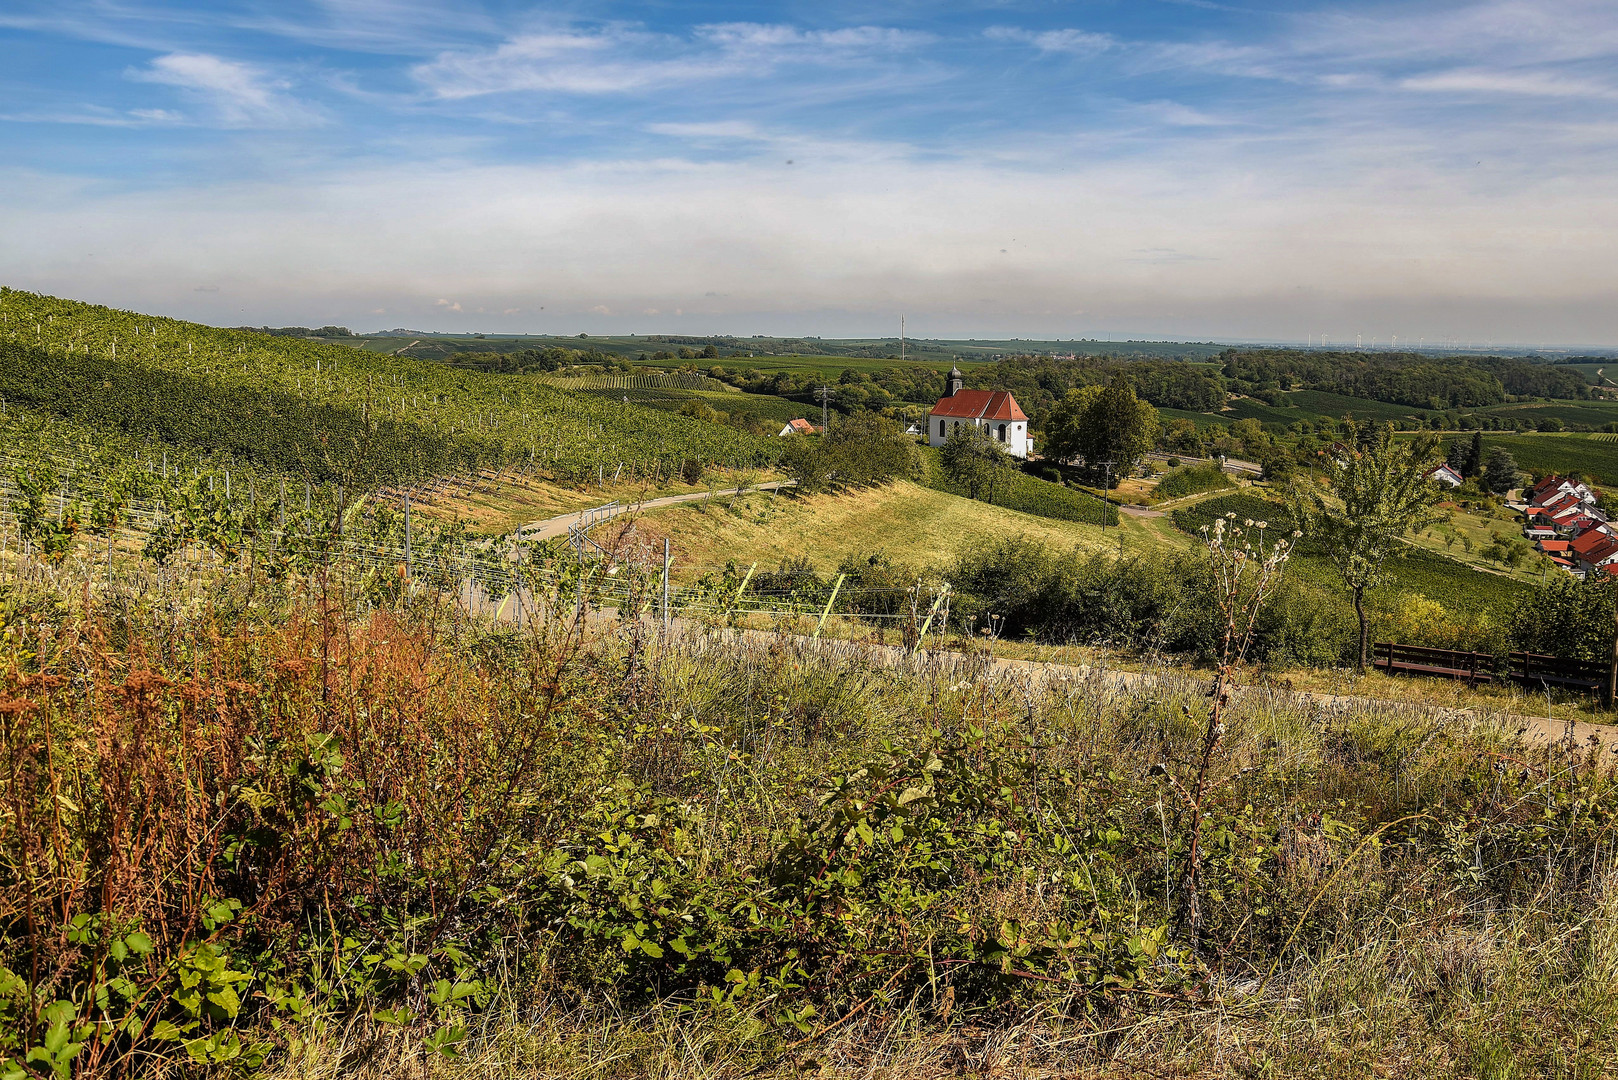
pixel 324 413
pixel 50 532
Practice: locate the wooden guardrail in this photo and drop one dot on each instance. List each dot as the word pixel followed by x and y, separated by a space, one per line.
pixel 1394 658
pixel 1539 669
pixel 1533 669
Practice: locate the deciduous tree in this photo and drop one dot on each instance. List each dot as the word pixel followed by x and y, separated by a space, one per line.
pixel 1101 424
pixel 1373 497
pixel 975 461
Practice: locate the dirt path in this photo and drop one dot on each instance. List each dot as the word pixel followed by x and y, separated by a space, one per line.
pixel 1538 730
pixel 558 526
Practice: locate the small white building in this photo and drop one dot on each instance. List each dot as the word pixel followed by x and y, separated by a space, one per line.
pixel 996 412
pixel 1445 475
pixel 798 427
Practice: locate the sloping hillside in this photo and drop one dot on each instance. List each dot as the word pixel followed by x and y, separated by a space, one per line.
pixel 321 411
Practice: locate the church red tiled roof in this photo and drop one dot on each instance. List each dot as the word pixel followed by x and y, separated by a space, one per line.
pixel 980 405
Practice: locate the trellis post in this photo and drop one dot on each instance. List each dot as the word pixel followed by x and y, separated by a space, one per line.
pixel 921 637
pixel 835 589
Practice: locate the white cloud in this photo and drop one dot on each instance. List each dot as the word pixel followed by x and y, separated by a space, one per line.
pixel 619 58
pixel 99 116
pixel 1076 42
pixel 1242 244
pixel 1475 81
pixel 715 129
pixel 237 94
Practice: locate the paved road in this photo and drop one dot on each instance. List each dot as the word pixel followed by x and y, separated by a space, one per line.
pixel 558 526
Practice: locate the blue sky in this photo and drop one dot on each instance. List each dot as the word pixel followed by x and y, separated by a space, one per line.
pixel 1172 168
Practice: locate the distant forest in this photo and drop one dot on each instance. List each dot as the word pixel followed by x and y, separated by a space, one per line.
pixel 1037 381
pixel 1401 378
pixel 1421 383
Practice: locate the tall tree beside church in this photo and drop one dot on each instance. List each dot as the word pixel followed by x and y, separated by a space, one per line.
pixel 1374 496
pixel 1474 456
pixel 1457 456
pixel 1500 473
pixel 1102 424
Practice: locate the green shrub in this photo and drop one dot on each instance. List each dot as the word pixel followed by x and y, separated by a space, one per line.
pixel 1017 490
pixel 1192 480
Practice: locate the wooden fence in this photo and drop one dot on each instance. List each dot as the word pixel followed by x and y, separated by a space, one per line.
pixel 1529 669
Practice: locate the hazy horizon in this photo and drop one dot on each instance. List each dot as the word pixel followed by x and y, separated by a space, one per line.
pixel 1173 169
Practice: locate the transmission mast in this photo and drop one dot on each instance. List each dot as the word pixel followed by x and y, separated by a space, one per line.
pixel 824 394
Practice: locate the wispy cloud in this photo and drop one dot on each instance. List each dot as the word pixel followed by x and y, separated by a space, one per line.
pixel 1488 82
pixel 623 58
pixel 710 129
pixel 234 94
pixel 1076 42
pixel 97 116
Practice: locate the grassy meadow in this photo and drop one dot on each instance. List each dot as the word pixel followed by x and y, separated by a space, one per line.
pixel 292 836
pixel 919 526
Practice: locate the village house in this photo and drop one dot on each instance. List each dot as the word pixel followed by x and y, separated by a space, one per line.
pixel 798 427
pixel 1445 475
pixel 1596 548
pixel 1561 516
pixel 1554 488
pixel 995 412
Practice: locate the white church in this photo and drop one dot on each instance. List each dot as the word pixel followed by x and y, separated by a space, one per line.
pixel 994 411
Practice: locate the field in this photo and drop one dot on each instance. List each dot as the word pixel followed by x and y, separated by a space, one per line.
pixel 303 410
pixel 918 526
pixel 1540 454
pixel 764 406
pixel 1299 405
pixel 1469 595
pixel 1596 414
pixel 303 778
pixel 1029 494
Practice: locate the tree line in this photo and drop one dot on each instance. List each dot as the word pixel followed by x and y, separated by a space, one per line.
pixel 1399 378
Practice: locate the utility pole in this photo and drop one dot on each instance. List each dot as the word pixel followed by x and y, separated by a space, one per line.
pixel 824 394
pixel 1106 486
pixel 1611 689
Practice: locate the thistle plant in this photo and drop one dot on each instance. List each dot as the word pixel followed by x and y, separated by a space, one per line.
pixel 1245 566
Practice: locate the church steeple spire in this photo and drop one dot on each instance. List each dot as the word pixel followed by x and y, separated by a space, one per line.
pixel 956 381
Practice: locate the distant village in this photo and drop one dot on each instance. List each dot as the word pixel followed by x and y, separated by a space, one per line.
pixel 1561 517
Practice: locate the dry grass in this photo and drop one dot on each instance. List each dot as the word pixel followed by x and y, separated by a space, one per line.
pixel 913 524
pixel 501 505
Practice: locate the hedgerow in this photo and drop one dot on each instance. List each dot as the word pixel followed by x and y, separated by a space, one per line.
pixel 1016 490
